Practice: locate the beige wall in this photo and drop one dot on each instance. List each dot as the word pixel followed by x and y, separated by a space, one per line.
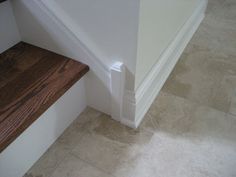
pixel 160 21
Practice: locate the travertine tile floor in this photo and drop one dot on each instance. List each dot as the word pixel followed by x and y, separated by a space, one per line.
pixel 190 130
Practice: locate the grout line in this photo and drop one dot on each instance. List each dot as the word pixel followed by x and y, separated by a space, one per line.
pixel 195 102
pixel 231 114
pixel 91 164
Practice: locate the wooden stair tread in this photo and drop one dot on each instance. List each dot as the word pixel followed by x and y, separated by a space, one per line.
pixel 31 80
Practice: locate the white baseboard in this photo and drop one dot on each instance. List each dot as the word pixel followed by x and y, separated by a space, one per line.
pixel 136 104
pixel 22 153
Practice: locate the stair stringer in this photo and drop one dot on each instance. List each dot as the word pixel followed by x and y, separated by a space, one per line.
pixel 63 36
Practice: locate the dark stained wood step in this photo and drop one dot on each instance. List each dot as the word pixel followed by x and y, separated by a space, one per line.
pixel 31 80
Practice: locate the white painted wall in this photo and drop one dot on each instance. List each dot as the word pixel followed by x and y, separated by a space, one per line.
pixel 9 34
pixel 160 21
pixel 22 153
pixel 137 103
pixel 110 25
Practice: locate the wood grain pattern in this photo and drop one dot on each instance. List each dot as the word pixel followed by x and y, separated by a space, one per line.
pixel 31 80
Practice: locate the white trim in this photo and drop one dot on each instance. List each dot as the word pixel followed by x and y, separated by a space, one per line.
pixel 72 29
pixel 138 102
pixel 98 80
pixel 117 89
pixel 129 123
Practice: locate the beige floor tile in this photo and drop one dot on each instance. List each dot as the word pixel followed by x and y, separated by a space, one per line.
pixel 186 140
pixel 65 143
pixel 233 105
pixel 108 144
pixel 117 159
pixel 210 124
pixel 45 166
pixel 216 35
pixel 178 117
pixel 168 156
pixel 73 134
pixel 222 9
pixel 199 76
pixel 101 152
pixel 169 114
pixel 229 83
pixel 189 140
pixel 104 126
pixel 74 167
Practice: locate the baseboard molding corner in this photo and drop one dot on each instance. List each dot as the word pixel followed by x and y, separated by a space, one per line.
pixel 138 102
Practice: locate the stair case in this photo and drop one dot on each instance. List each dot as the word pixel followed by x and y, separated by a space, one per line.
pixel 41 93
pixel 32 79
